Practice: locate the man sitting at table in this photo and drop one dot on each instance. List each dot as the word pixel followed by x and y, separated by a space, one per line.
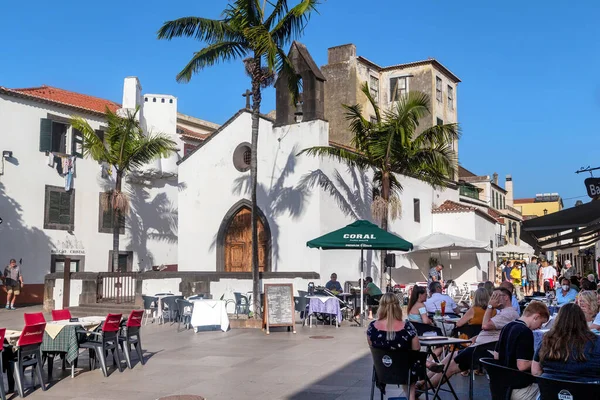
pixel 333 285
pixel 434 303
pixel 565 294
pixel 490 331
pixel 515 347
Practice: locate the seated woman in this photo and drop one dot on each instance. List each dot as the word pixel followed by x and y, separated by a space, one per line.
pixel 474 316
pixel 416 306
pixel 569 351
pixel 389 331
pixel 588 302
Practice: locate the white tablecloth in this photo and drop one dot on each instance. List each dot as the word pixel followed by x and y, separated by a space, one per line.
pixel 210 313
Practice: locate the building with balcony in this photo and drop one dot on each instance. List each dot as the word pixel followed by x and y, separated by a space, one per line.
pixel 485 191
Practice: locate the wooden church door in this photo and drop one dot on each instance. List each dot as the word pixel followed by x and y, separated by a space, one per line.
pixel 238 243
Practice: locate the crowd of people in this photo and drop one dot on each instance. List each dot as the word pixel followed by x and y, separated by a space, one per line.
pixel 570 345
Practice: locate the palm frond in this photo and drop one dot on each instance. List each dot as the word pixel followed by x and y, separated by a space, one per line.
pixel 202 29
pixel 92 144
pixel 438 134
pixel 279 10
pixel 291 25
pixel 286 70
pixel 211 55
pixel 148 148
pixel 350 158
pixel 367 92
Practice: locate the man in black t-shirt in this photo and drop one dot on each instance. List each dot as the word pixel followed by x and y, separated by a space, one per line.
pixel 515 346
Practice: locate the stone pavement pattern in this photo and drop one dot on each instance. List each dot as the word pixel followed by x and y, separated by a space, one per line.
pixel 237 365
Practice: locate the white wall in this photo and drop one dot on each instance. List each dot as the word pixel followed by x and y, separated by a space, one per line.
pixel 75 290
pixel 152 227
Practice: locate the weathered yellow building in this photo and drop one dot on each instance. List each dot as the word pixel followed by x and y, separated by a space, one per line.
pixel 540 205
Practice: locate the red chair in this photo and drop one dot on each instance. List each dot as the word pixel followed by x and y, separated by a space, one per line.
pixel 34 318
pixel 131 336
pixel 59 315
pixel 2 391
pixel 105 340
pixel 29 354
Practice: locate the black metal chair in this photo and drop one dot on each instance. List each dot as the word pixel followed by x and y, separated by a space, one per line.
pixel 170 305
pixel 150 304
pixel 395 367
pixel 469 331
pixel 301 305
pixel 481 351
pixel 560 389
pixel 184 309
pixel 106 340
pixel 242 304
pixel 422 329
pixel 504 379
pixel 130 336
pixel 2 390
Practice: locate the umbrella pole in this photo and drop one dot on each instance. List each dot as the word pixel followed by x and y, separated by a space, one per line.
pixel 362 285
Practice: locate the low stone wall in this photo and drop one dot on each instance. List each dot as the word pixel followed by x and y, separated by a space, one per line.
pixel 84 285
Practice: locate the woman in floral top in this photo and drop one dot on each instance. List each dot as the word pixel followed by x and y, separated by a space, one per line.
pixel 389 331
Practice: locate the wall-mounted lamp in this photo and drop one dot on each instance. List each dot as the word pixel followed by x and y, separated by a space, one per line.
pixel 7 154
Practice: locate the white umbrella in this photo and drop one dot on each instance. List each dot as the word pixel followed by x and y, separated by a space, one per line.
pixel 524 248
pixel 445 242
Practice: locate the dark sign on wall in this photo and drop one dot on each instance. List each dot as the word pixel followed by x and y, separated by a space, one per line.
pixel 592 185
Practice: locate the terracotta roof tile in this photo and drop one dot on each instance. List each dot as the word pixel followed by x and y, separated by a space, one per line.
pixel 188 133
pixel 452 206
pixel 67 97
pixel 496 215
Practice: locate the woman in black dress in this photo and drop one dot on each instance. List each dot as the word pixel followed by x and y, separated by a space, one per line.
pixel 389 331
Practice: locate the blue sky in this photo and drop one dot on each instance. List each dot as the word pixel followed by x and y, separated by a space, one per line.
pixel 528 103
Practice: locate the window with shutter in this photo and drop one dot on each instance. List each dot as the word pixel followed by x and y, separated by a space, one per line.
pixel 45 134
pixel 105 216
pixel 59 212
pixel 59 137
pixel 77 143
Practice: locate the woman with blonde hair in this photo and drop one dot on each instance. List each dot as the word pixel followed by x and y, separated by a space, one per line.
pixel 588 302
pixel 389 331
pixel 474 316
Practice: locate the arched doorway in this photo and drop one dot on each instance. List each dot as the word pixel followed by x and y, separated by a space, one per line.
pixel 235 240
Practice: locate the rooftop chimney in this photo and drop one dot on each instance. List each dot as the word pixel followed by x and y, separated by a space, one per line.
pixel 509 190
pixel 495 178
pixel 341 53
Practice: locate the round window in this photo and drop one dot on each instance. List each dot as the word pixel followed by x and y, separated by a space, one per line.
pixel 242 155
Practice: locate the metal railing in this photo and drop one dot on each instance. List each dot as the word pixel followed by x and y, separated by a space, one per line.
pixel 116 287
pixel 469 191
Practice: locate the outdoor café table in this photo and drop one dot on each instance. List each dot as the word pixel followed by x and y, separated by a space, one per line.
pixel 158 311
pixel 61 337
pixel 209 313
pixel 324 305
pixel 435 341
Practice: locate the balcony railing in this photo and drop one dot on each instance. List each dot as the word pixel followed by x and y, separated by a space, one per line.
pixel 469 191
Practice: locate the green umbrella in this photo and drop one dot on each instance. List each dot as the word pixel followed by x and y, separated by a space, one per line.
pixel 360 235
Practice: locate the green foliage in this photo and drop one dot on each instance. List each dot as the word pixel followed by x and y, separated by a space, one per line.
pixel 245 32
pixel 125 147
pixel 392 145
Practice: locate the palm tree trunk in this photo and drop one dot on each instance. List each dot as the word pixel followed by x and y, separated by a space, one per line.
pixel 256 99
pixel 116 224
pixel 385 195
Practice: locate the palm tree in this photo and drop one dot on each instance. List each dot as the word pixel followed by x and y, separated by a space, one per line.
pixel 390 145
pixel 125 148
pixel 245 32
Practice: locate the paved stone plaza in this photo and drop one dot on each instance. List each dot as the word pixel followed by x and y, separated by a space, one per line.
pixel 239 364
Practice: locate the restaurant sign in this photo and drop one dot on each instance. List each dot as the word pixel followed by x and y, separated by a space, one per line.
pixel 592 185
pixel 68 252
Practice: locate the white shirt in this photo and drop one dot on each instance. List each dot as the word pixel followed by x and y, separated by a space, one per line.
pixel 597 319
pixel 434 303
pixel 549 272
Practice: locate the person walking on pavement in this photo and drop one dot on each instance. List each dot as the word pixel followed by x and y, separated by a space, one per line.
pixel 532 276
pixel 13 280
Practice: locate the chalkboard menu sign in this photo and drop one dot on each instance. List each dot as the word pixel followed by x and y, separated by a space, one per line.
pixel 279 307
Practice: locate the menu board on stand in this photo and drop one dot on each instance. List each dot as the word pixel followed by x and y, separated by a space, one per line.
pixel 279 309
